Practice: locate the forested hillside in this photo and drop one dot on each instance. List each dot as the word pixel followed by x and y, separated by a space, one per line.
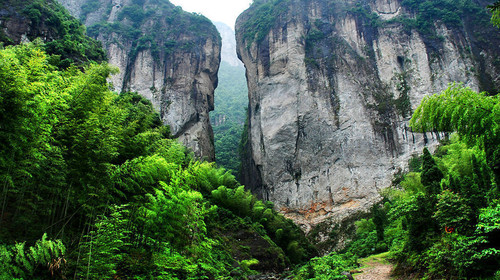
pixel 228 117
pixel 93 187
pixel 65 37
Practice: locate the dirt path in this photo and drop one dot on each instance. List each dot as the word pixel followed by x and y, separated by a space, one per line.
pixel 374 268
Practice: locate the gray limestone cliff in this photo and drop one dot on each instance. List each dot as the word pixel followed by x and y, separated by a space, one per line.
pixel 332 85
pixel 169 56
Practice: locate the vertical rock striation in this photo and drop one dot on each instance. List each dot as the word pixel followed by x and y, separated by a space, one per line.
pixel 332 85
pixel 165 54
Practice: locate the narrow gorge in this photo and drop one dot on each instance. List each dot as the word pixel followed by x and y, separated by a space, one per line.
pixel 368 131
pixel 332 85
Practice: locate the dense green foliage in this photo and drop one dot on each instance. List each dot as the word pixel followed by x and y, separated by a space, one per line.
pixel 328 267
pixel 262 16
pixel 474 116
pixel 227 119
pixel 442 219
pixel 18 261
pixel 495 11
pixel 95 175
pixel 65 36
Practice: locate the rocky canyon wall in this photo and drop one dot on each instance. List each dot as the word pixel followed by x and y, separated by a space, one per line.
pixel 169 56
pixel 332 85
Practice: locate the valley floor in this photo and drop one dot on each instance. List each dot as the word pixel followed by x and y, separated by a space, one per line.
pixel 375 267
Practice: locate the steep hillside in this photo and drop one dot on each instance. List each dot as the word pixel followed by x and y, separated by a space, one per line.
pixel 332 85
pixel 48 20
pixel 169 56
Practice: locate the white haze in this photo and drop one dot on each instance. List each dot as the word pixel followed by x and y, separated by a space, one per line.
pixel 225 11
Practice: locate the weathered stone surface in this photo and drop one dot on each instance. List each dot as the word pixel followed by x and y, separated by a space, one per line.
pixel 165 54
pixel 330 99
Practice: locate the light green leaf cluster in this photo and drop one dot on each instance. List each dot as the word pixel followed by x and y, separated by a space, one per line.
pixel 459 109
pixel 495 13
pixel 474 116
pixel 329 267
pixel 99 170
pixel 19 262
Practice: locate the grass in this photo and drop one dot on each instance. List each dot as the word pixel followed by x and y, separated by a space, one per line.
pixel 382 258
pixel 372 261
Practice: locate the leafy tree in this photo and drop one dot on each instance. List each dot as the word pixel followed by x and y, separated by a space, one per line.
pixel 495 11
pixel 452 212
pixel 103 247
pixel 474 116
pixel 431 175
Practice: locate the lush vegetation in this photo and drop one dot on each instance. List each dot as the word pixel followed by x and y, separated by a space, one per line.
pixel 495 11
pixel 229 116
pixel 93 187
pixel 441 220
pixel 262 16
pixel 65 36
pixel 332 266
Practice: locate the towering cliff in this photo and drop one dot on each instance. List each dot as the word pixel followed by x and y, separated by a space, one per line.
pixel 332 85
pixel 165 54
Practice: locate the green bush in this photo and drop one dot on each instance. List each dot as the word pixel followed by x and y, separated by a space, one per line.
pixel 67 36
pixel 328 267
pixel 18 262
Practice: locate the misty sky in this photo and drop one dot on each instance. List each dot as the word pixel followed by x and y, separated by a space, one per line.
pixel 225 11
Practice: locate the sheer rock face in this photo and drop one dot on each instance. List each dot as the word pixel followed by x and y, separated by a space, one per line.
pixel 169 56
pixel 330 99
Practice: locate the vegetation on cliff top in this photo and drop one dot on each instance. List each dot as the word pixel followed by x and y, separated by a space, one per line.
pixel 165 20
pixel 262 16
pixel 65 36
